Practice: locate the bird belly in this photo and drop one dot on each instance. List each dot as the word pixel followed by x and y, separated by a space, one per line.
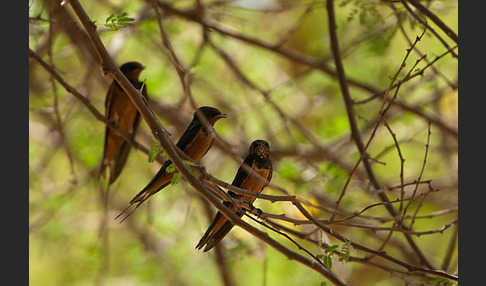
pixel 254 184
pixel 128 114
pixel 123 114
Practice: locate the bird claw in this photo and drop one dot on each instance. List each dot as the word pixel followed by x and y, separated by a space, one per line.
pixel 105 69
pixel 258 211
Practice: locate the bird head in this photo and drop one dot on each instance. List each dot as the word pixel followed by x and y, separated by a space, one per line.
pixel 132 70
pixel 212 114
pixel 260 149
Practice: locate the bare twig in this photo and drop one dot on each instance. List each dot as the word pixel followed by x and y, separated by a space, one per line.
pixel 171 151
pixel 354 129
pixel 449 32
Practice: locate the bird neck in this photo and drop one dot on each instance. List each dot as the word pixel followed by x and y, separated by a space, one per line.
pixel 137 84
pixel 261 163
pixel 204 129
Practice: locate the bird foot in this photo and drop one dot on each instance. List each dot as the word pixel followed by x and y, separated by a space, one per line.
pixel 258 212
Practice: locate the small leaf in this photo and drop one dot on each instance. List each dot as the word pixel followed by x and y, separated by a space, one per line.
pixel 170 168
pixel 114 22
pixel 344 257
pixel 331 248
pixel 127 19
pixel 175 179
pixel 154 151
pixel 110 18
pixel 193 172
pixel 328 261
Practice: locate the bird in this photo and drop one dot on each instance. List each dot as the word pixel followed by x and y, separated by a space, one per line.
pixel 195 142
pixel 121 111
pixel 258 159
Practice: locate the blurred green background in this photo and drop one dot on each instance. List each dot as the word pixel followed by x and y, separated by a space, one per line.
pixel 156 246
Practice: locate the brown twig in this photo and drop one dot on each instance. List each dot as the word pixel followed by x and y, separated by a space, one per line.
pixel 59 123
pixel 291 55
pixel 423 22
pixel 419 178
pixel 171 151
pixel 355 131
pixel 424 10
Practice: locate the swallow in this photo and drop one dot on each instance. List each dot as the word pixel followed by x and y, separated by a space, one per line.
pixel 258 159
pixel 195 142
pixel 121 111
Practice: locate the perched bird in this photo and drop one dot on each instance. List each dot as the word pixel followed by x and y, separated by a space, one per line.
pixel 258 159
pixel 121 111
pixel 195 143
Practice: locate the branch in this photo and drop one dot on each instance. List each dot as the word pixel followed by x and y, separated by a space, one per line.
pixel 449 32
pixel 292 55
pixel 423 22
pixel 354 128
pixel 162 136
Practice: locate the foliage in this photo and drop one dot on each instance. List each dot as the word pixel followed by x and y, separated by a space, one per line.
pixel 299 110
pixel 154 151
pixel 118 21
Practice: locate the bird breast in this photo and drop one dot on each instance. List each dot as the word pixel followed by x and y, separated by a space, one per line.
pixel 253 183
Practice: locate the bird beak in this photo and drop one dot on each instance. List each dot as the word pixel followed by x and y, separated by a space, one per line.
pixel 222 115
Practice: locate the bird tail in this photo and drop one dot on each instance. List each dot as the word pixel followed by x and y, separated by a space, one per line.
pixel 120 161
pixel 206 235
pixel 160 181
pixel 216 231
pixel 218 235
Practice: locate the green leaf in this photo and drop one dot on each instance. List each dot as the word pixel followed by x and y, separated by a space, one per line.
pixel 170 168
pixel 114 22
pixel 175 179
pixel 344 257
pixel 127 19
pixel 327 261
pixel 331 249
pixel 193 172
pixel 110 18
pixel 154 151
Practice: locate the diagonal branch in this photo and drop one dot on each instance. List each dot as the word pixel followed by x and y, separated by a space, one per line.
pixel 171 150
pixel 449 32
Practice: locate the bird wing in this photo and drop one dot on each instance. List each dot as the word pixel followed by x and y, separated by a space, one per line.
pixel 121 111
pixel 108 108
pixel 188 135
pixel 158 182
pixel 219 227
pixel 242 174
